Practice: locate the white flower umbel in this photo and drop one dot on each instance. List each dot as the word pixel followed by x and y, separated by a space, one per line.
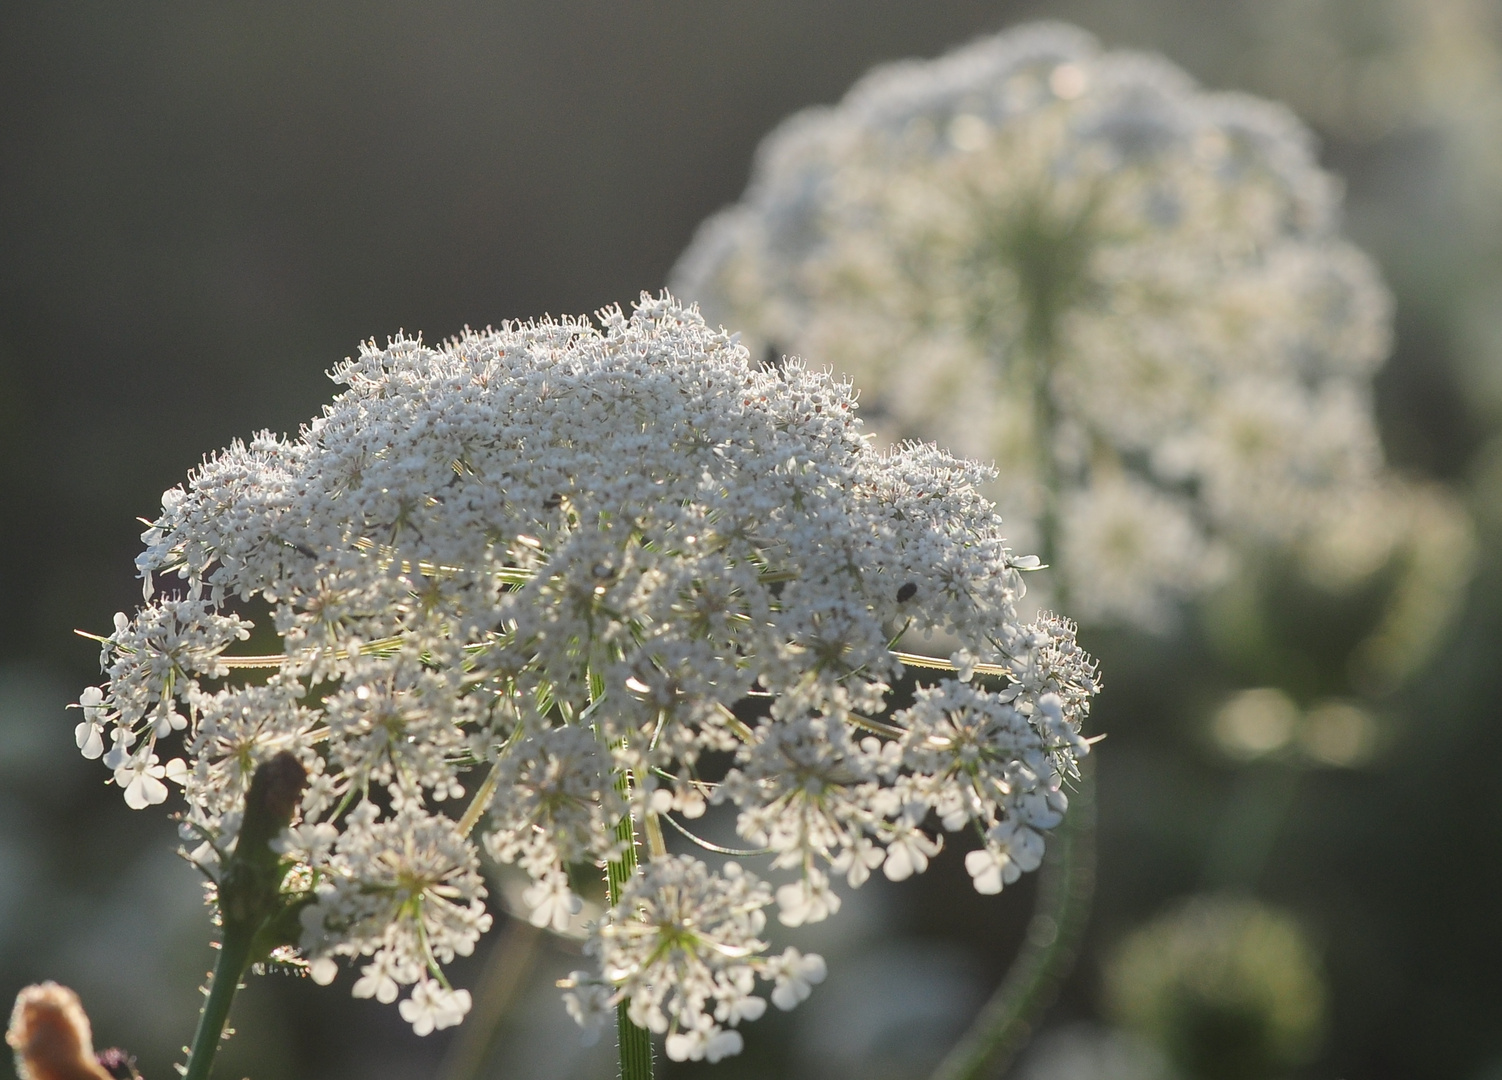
pixel 682 946
pixel 573 558
pixel 1131 294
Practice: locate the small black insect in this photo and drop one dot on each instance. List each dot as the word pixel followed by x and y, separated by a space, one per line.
pixel 907 592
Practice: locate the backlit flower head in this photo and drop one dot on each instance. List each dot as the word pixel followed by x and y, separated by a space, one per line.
pixel 1131 294
pixel 522 582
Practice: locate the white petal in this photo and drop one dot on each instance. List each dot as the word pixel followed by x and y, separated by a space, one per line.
pixel 90 742
pixel 750 1008
pixel 723 1045
pixel 813 969
pixel 323 970
pixel 119 752
pixel 679 1046
pixel 786 995
pixel 899 864
pixel 419 1016
pixel 985 871
pixel 145 790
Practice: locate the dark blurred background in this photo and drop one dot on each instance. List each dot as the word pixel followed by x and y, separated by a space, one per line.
pixel 204 208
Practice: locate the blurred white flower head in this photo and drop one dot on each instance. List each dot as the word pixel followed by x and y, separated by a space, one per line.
pixel 580 557
pixel 1223 986
pixel 1131 294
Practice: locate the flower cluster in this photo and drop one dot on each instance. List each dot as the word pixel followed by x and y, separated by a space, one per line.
pixel 567 560
pixel 690 952
pixel 1131 294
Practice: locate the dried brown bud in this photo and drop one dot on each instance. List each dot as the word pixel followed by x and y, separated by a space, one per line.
pixel 50 1034
pixel 248 891
pixel 274 791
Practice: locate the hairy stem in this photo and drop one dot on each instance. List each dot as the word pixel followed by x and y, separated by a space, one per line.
pixel 234 958
pixel 1066 883
pixel 256 917
pixel 633 1044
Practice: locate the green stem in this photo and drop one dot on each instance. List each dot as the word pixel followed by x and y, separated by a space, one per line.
pixel 633 1044
pixel 1248 829
pixel 255 916
pixel 1066 883
pixel 234 958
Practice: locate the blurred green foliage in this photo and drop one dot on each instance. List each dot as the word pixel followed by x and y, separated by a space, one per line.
pixel 1229 988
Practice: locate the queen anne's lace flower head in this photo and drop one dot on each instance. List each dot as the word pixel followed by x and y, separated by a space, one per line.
pixel 1130 293
pixel 580 557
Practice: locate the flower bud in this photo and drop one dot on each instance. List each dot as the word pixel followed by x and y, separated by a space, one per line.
pixel 50 1034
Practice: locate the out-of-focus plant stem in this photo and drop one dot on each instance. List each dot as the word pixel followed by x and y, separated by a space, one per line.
pixel 1066 883
pixel 1248 829
pixel 509 962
